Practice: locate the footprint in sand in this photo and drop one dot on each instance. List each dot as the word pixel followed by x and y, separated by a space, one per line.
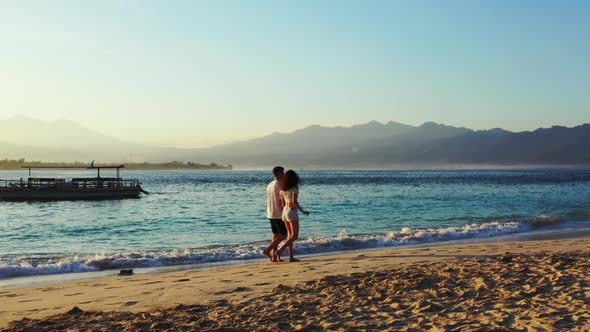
pixel 181 280
pixel 109 297
pixel 153 282
pixel 34 300
pixel 129 303
pixel 262 284
pixel 73 294
pixel 11 295
pixel 238 289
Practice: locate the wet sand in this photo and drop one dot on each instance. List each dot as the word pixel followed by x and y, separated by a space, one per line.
pixel 540 285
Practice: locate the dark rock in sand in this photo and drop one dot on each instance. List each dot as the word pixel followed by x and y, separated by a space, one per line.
pixel 75 311
pixel 506 259
pixel 242 289
pixel 125 272
pixel 281 288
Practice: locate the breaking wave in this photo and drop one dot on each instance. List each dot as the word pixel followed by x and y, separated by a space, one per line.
pixel 15 266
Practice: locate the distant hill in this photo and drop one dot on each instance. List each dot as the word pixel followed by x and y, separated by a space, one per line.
pixel 370 145
pixel 7 164
pixel 313 140
pixel 393 145
pixel 58 134
pixel 62 140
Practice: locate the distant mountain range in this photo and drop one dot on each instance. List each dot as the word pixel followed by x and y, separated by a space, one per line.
pixel 371 145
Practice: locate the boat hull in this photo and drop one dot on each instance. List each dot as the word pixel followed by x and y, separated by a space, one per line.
pixel 74 194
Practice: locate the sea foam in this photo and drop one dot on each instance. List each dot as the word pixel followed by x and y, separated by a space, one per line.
pixel 15 266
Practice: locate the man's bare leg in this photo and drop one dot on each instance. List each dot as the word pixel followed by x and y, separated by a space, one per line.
pixel 276 240
pixel 270 251
pixel 273 252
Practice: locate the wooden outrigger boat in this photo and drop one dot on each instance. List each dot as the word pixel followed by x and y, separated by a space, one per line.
pixel 92 188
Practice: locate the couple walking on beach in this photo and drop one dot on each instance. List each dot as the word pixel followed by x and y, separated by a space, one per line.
pixel 282 206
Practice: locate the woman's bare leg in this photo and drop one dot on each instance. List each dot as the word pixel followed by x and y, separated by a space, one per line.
pixel 278 251
pixel 293 230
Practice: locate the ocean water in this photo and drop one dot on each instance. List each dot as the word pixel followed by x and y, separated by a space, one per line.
pixel 194 217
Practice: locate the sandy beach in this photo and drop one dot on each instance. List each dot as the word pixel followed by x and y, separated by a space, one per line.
pixel 540 285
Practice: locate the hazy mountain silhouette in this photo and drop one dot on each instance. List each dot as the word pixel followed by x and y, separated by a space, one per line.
pixel 370 145
pixel 58 134
pixel 61 140
pixel 310 140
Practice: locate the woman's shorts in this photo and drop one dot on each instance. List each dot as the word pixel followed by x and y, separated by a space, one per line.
pixel 290 214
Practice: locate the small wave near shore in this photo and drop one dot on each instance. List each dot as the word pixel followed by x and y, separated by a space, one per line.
pixel 18 266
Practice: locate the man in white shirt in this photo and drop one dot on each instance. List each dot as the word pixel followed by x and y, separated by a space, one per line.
pixel 274 213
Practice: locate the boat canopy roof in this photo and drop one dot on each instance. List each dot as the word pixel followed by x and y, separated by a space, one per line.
pixel 91 166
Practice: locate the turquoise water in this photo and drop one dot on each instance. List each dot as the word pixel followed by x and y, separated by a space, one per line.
pixel 193 217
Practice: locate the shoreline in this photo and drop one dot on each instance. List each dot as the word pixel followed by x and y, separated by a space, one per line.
pixel 45 279
pixel 145 292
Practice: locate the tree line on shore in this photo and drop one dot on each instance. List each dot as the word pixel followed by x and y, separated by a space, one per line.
pixel 7 164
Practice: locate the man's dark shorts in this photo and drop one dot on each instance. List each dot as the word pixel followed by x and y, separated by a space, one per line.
pixel 278 226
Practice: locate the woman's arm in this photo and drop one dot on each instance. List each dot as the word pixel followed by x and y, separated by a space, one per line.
pixel 296 202
pixel 282 198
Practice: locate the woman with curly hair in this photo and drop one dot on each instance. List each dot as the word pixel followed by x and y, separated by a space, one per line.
pixel 289 194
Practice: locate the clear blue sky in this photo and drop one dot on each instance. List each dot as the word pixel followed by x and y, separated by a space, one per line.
pixel 195 73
